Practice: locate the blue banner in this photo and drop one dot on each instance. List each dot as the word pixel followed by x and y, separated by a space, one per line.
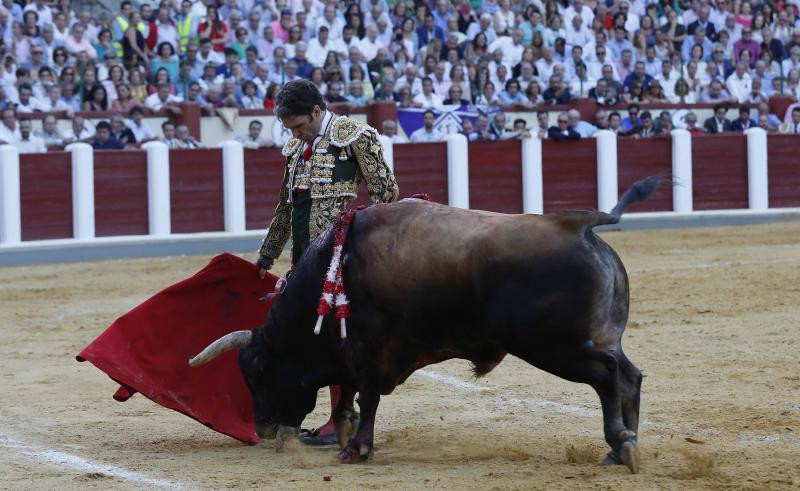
pixel 448 118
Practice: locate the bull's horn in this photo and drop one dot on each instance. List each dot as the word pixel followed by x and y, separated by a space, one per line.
pixel 234 340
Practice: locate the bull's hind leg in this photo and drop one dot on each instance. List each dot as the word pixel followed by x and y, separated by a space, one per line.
pixel 600 370
pixel 609 378
pixel 630 379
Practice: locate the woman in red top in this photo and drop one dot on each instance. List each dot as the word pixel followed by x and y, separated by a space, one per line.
pixel 272 93
pixel 214 29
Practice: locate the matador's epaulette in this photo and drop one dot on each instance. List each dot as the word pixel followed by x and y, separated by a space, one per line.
pixel 291 147
pixel 345 131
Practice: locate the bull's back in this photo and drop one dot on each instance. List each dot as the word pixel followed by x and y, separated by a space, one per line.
pixel 422 261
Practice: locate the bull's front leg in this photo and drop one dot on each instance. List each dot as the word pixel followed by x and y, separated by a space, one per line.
pixel 345 417
pixel 360 447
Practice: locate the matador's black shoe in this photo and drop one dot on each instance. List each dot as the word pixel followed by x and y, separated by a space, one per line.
pixel 313 437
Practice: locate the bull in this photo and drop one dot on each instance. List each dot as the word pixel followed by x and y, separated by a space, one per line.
pixel 428 283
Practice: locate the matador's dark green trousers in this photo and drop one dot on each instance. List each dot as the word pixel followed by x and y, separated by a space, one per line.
pixel 301 215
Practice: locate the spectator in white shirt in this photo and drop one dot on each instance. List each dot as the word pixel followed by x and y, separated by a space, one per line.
pixel 504 18
pixel 739 83
pixel 27 103
pixel 346 42
pixel 185 140
pixel 668 77
pixel 139 127
pixel 410 79
pixel 162 99
pixel 81 131
pixel 49 133
pixel 267 43
pixel 75 43
pixel 9 130
pixel 577 33
pixel 250 98
pixel 330 20
pixel 27 141
pixel 427 99
pixel 168 129
pixel 427 133
pixel 167 32
pixel 483 25
pixel 370 45
pixel 253 139
pixel 43 11
pixel 390 130
pixel 510 46
pixel 318 47
pixel 579 9
pixel 440 79
pixel 545 64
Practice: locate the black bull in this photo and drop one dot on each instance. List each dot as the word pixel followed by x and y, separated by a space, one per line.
pixel 428 283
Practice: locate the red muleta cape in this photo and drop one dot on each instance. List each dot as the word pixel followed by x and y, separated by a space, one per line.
pixel 147 350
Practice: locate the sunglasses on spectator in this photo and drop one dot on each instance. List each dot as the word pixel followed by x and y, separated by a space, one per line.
pixel 562 121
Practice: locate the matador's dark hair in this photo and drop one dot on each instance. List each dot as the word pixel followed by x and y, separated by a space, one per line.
pixel 298 98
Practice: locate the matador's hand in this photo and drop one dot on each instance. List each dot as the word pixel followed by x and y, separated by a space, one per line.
pixel 264 264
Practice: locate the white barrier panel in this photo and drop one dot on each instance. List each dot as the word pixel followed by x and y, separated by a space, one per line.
pixel 757 177
pixel 532 190
pixel 682 199
pixel 457 171
pixel 607 186
pixel 159 208
pixel 82 190
pixel 233 185
pixel 10 209
pixel 388 150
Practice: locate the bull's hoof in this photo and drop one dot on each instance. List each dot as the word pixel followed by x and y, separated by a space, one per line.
pixel 611 459
pixel 629 454
pixel 346 427
pixel 352 454
pixel 284 435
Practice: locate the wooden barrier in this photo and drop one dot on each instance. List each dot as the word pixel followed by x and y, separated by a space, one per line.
pixel 83 194
pixel 46 195
pixel 569 175
pixel 783 166
pixel 196 190
pixel 642 157
pixel 120 193
pixel 263 175
pixel 495 176
pixel 422 168
pixel 719 172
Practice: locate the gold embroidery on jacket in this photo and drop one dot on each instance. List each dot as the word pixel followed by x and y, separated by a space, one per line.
pixel 329 198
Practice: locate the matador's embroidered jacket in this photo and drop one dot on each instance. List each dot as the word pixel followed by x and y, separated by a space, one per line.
pixel 347 153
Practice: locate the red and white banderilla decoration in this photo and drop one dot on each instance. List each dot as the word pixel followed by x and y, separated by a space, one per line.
pixel 333 294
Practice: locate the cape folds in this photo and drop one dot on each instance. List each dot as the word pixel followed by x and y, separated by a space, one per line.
pixel 147 350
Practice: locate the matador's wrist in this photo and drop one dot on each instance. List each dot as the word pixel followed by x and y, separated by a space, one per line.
pixel 265 262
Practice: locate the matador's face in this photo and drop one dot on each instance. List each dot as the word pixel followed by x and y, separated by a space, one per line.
pixel 305 127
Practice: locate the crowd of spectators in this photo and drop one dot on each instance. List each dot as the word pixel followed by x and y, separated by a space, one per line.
pixel 423 53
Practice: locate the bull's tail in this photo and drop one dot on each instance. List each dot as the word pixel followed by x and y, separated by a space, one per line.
pixel 640 191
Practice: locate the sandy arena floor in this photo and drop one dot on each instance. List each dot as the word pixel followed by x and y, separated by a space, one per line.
pixel 714 327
